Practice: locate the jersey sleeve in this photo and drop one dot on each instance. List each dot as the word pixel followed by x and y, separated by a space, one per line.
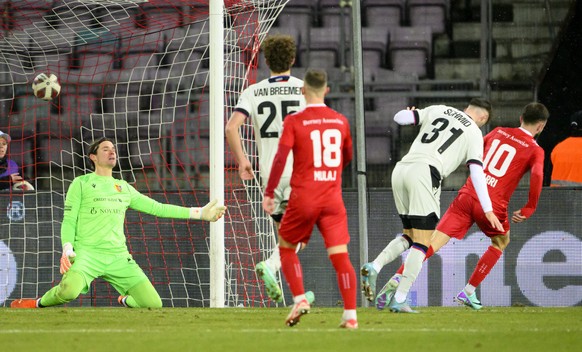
pixel 244 103
pixel 150 206
pixel 475 147
pixel 535 183
pixel 71 212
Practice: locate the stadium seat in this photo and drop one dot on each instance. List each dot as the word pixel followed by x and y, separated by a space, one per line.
pixel 432 13
pixel 383 80
pixel 323 48
pixel 23 13
pixel 333 15
pixel 298 14
pixel 379 137
pixel 387 13
pixel 83 68
pixel 56 151
pixel 145 152
pixel 375 46
pixel 411 50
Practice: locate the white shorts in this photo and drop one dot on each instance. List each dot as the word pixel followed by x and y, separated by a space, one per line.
pixel 282 193
pixel 416 189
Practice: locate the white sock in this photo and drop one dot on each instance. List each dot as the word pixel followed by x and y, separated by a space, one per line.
pixel 470 289
pixel 274 261
pixel 299 298
pixel 412 267
pixel 392 251
pixel 349 314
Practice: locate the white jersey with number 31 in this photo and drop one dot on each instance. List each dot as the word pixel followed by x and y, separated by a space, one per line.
pixel 447 138
pixel 267 103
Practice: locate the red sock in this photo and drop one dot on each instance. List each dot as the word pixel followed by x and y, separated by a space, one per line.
pixel 429 253
pixel 484 266
pixel 346 278
pixel 291 268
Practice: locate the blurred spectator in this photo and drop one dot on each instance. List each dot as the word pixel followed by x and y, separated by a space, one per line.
pixel 9 174
pixel 567 156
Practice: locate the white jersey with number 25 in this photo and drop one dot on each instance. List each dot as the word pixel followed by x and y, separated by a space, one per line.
pixel 267 103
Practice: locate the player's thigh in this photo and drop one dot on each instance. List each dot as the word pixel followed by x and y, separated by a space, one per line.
pixel 418 190
pixel 485 225
pixel 298 222
pixel 124 273
pixel 281 197
pixel 458 218
pixel 89 265
pixel 333 225
pixel 400 188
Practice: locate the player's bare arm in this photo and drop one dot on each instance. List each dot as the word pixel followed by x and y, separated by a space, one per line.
pixel 245 169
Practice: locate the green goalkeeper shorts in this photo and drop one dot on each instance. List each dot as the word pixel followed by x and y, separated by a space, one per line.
pixel 120 270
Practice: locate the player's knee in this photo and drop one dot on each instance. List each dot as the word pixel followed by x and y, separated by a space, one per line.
pixel 68 291
pixel 500 242
pixel 152 302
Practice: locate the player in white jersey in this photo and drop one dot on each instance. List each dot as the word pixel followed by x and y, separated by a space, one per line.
pixel 267 103
pixel 447 138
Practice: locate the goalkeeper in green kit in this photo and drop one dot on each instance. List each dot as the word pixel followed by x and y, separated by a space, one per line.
pixel 93 240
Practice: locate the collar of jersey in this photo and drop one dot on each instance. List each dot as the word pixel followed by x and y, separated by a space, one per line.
pixel 274 79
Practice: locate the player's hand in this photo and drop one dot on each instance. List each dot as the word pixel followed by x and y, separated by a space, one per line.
pixel 23 186
pixel 15 178
pixel 210 212
pixel 268 205
pixel 517 217
pixel 494 221
pixel 68 253
pixel 245 170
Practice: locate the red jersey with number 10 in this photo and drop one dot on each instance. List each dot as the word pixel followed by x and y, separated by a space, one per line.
pixel 322 144
pixel 509 154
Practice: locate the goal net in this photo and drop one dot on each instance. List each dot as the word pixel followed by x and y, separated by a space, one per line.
pixel 137 72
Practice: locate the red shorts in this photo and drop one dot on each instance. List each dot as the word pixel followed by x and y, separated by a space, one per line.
pixel 463 212
pixel 300 217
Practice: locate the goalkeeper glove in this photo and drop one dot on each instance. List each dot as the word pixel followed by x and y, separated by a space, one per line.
pixel 210 212
pixel 65 258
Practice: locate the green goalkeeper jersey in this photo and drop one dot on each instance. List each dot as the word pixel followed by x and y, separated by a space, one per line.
pixel 95 209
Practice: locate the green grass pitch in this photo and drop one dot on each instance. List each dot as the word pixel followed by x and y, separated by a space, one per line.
pixel 262 329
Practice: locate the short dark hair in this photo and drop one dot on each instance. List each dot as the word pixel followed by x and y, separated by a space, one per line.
pixel 95 146
pixel 279 51
pixel 534 113
pixel 483 104
pixel 315 78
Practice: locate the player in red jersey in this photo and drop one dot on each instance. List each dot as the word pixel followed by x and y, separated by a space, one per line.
pixel 509 154
pixel 322 145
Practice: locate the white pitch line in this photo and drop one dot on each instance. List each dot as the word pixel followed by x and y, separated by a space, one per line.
pixel 68 331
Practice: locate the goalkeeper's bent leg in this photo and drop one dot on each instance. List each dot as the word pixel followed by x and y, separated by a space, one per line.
pixel 67 290
pixel 143 295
